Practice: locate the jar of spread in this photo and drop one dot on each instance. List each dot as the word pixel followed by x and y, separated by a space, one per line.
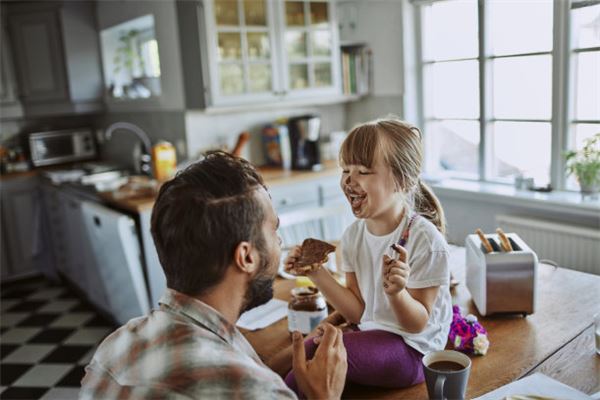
pixel 306 309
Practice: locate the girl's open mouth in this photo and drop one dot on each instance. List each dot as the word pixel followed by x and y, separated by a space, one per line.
pixel 356 200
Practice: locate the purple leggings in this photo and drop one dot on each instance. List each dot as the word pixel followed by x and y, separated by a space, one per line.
pixel 375 358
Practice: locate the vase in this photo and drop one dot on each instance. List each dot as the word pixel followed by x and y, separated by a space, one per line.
pixel 589 190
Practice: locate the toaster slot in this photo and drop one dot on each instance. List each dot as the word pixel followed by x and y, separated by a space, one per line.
pixel 514 245
pixel 494 245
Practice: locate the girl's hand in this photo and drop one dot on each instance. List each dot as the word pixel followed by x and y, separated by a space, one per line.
pixel 395 272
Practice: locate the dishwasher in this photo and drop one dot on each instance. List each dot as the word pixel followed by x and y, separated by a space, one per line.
pixel 117 252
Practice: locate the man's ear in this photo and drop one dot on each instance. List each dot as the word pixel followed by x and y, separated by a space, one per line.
pixel 245 257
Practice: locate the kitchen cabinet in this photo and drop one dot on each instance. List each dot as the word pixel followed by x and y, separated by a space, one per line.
pixel 253 51
pixel 155 38
pixel 56 56
pixel 116 248
pixel 331 195
pixel 10 106
pixel 23 242
pixel 72 246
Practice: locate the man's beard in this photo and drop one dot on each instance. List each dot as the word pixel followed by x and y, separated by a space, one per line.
pixel 260 290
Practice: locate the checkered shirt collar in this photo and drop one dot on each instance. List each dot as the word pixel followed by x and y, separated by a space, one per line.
pixel 200 313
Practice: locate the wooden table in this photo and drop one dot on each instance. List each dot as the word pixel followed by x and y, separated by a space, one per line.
pixel 556 340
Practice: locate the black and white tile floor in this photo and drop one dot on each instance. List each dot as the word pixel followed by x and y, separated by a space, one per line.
pixel 47 336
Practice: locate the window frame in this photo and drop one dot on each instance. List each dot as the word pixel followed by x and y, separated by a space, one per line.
pixel 562 118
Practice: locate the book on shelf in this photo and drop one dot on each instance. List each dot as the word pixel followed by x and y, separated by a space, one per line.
pixel 356 70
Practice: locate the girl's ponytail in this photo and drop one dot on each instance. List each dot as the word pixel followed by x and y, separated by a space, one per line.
pixel 428 205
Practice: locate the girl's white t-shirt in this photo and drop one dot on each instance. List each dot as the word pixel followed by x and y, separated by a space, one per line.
pixel 428 255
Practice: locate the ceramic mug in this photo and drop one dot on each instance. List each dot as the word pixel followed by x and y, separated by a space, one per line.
pixel 446 374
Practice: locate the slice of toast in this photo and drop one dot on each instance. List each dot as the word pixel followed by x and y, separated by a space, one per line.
pixel 313 254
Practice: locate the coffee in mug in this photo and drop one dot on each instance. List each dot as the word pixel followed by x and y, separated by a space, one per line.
pixel 446 374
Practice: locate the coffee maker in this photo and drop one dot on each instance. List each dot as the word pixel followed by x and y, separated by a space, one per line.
pixel 304 132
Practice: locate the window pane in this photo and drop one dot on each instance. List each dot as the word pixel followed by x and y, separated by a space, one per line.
pixel 255 12
pixel 586 27
pixel 299 76
pixel 520 26
pixel 321 44
pixel 319 15
pixel 259 78
pixel 522 87
pixel 522 148
pixel 258 46
pixel 226 12
pixel 295 43
pixel 232 80
pixel 455 145
pixel 450 30
pixel 294 13
pixel 587 98
pixel 453 89
pixel 580 132
pixel 230 46
pixel 323 74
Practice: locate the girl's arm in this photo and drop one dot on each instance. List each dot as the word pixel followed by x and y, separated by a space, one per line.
pixel 346 300
pixel 412 307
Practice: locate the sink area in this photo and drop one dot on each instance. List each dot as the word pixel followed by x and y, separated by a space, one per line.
pixel 106 181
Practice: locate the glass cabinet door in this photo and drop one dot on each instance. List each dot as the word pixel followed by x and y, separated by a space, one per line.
pixel 243 43
pixel 309 45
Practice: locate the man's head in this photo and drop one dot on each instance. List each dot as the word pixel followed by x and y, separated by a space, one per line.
pixel 204 215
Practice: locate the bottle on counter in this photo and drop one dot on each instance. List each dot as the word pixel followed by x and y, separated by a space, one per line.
pixel 306 309
pixel 164 161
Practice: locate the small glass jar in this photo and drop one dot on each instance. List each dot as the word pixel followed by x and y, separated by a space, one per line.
pixel 306 309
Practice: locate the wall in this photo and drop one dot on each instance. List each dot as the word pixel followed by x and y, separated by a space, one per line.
pixel 378 23
pixel 165 125
pixel 464 215
pixel 210 131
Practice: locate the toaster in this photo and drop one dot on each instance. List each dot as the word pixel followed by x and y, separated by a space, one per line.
pixel 499 281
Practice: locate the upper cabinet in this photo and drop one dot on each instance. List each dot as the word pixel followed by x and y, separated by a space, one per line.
pixel 140 48
pixel 254 51
pixel 10 107
pixel 55 49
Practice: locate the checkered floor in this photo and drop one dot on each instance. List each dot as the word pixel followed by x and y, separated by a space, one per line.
pixel 47 336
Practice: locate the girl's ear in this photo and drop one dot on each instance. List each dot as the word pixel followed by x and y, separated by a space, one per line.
pixel 245 257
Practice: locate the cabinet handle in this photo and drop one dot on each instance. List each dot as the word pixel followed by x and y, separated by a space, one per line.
pixel 284 202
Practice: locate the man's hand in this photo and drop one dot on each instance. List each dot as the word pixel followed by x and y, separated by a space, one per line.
pixel 395 272
pixel 324 376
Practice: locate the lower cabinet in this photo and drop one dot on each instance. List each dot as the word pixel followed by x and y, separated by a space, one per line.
pixel 97 249
pixel 73 253
pixel 24 241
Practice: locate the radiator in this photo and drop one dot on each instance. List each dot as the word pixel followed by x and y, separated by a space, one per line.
pixel 569 246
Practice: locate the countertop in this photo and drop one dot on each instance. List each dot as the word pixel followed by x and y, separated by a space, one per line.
pixel 272 176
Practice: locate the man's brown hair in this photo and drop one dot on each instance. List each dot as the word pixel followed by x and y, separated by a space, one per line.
pixel 201 215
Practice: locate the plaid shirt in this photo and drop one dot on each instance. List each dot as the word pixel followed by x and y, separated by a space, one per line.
pixel 185 349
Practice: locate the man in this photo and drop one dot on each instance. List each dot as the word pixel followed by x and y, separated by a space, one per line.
pixel 215 232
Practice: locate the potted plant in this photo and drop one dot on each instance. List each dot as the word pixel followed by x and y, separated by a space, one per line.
pixel 585 165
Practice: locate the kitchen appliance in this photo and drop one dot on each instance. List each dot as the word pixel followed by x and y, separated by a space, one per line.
pixel 57 147
pixel 116 244
pixel 502 282
pixel 304 132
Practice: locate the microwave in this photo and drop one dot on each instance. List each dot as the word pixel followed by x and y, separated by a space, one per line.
pixel 57 147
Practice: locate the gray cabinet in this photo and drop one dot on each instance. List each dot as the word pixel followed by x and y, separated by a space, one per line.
pixel 10 107
pixel 73 252
pixel 23 239
pixel 56 56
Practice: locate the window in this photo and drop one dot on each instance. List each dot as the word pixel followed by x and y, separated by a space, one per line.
pixel 493 77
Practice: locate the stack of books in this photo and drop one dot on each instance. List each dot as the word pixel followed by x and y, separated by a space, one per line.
pixel 356 69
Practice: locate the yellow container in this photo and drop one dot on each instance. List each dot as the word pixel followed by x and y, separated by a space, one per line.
pixel 164 161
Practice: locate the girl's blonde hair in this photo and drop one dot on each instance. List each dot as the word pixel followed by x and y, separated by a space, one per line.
pixel 399 145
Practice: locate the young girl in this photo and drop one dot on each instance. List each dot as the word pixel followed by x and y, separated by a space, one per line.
pixel 395 258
